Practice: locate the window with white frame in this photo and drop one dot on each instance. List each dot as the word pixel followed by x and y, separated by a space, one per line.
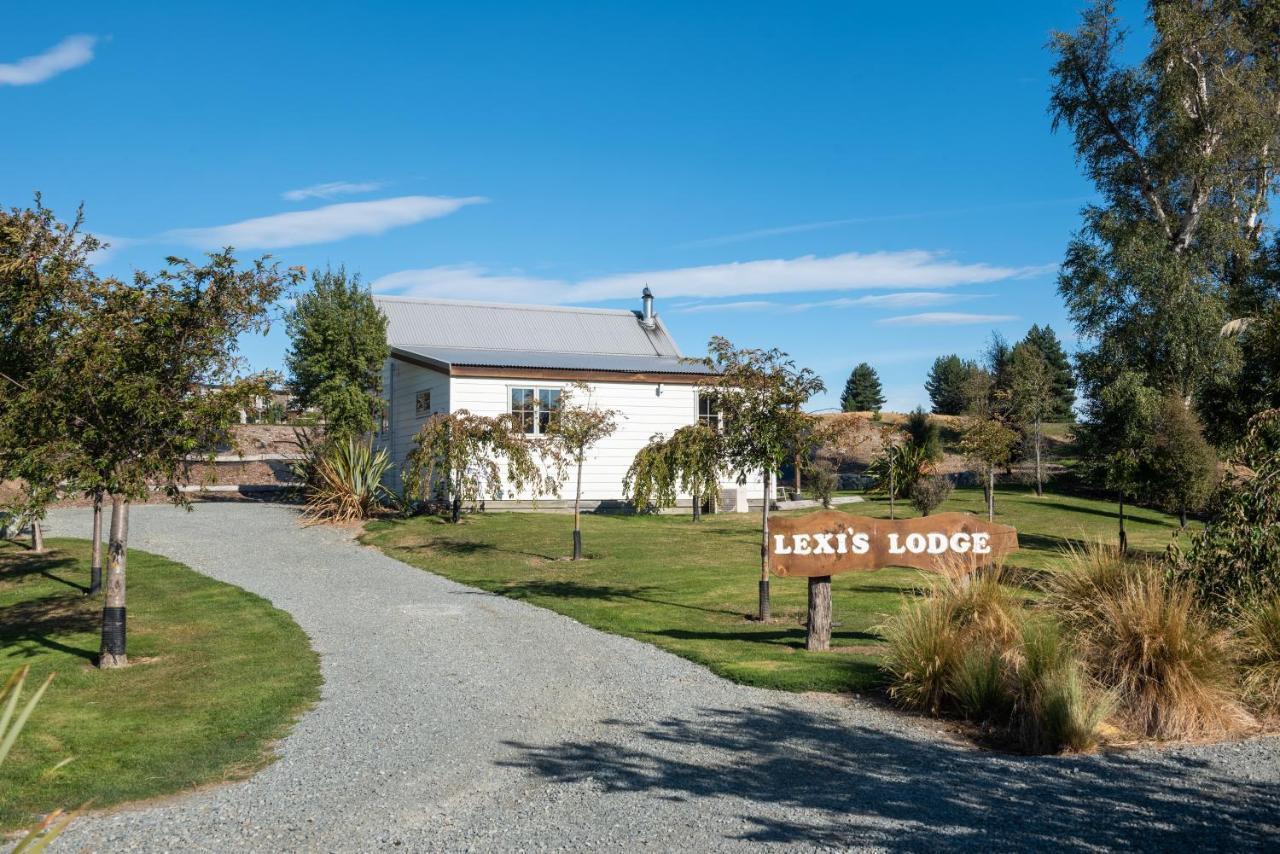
pixel 422 403
pixel 707 413
pixel 532 407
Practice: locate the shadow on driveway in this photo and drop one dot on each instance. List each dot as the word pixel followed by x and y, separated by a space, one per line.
pixel 811 780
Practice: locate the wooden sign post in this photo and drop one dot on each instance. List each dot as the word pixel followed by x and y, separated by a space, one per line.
pixel 829 542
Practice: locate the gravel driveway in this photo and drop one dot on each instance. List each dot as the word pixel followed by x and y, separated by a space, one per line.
pixel 455 720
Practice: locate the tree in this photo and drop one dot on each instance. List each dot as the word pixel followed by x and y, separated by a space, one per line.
pixel 651 482
pixel 1183 151
pixel 929 493
pixel 1032 398
pixel 575 428
pixel 462 457
pixel 697 460
pixel 1181 468
pixel 1063 377
pixel 946 384
pixel 989 443
pixel 923 432
pixel 897 468
pixel 336 353
pixel 999 360
pixel 760 394
pixel 862 391
pixel 1115 438
pixel 1230 399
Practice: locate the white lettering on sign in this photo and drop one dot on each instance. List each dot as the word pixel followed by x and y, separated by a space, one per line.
pixel 850 541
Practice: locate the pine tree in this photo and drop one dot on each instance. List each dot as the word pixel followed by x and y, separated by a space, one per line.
pixel 862 392
pixel 949 384
pixel 1063 378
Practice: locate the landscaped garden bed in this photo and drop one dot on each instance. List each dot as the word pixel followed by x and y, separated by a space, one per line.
pixel 216 675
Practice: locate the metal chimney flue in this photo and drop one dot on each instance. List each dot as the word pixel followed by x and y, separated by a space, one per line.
pixel 646 301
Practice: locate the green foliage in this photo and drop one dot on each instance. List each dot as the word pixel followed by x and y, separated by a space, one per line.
pixel 950 384
pixel 1258 648
pixel 39 837
pixel 978 686
pixel 1234 563
pixel 1062 377
pixel 924 433
pixel 462 458
pixel 347 482
pixel 930 492
pixel 1231 398
pixel 1115 438
pixel 897 467
pixel 338 344
pixel 1056 708
pixel 650 483
pixel 862 391
pixel 821 478
pixel 1181 469
pixel 988 443
pixel 1181 150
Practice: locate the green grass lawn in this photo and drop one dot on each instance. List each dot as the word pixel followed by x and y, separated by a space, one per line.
pixel 689 588
pixel 216 675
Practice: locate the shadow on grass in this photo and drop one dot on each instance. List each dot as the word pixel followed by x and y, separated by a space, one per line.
pixel 39 622
pixel 778 637
pixel 1129 514
pixel 802 778
pixel 28 564
pixel 559 589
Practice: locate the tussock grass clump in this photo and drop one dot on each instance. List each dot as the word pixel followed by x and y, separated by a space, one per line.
pixel 929 638
pixel 1144 639
pixel 1258 647
pixel 1057 708
pixel 346 483
pixel 979 686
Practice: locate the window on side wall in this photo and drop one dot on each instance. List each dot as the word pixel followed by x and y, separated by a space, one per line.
pixel 422 404
pixel 707 413
pixel 532 407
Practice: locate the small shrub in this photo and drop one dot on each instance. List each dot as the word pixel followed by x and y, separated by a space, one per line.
pixel 821 478
pixel 1144 639
pixel 348 483
pixel 930 492
pixel 1259 649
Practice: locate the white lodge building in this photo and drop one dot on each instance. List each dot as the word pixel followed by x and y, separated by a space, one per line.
pixel 491 359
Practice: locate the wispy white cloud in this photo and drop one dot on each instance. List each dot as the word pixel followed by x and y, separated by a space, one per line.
pixel 902 299
pixel 322 225
pixel 798 228
pixel 71 52
pixel 909 270
pixel 945 318
pixel 332 189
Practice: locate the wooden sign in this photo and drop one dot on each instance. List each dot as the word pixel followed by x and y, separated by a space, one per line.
pixel 827 543
pixel 830 542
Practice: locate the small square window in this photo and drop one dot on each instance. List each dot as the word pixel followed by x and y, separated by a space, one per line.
pixel 422 404
pixel 532 408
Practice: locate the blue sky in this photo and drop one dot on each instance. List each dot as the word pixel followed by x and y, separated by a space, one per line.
pixel 846 181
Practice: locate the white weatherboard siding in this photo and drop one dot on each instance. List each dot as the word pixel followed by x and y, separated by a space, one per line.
pixel 401 384
pixel 642 413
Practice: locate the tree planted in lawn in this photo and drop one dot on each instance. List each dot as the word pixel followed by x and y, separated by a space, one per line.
pixel 1032 398
pixel 989 444
pixel 464 458
pixel 575 427
pixel 1182 468
pixel 336 353
pixel 140 377
pixel 760 394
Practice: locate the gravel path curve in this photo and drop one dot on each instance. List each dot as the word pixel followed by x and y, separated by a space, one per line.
pixel 455 720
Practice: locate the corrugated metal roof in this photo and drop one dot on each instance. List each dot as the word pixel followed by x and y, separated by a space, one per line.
pixel 522 328
pixel 446 357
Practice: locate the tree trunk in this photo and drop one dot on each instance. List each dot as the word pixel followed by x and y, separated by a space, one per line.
pixel 763 612
pixel 1182 516
pixel 37 537
pixel 991 493
pixel 1039 468
pixel 95 563
pixel 892 488
pixel 797 476
pixel 697 508
pixel 577 515
pixel 818 638
pixel 112 653
pixel 1124 537
pixel 455 515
